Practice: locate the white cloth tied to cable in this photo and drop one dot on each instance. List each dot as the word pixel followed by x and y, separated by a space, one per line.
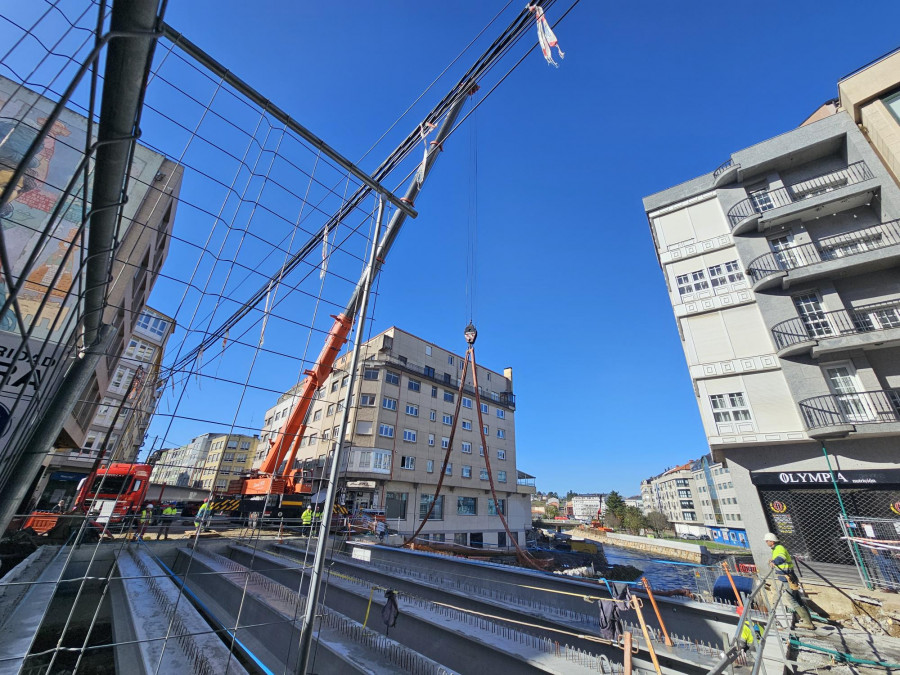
pixel 324 267
pixel 546 37
pixel 424 129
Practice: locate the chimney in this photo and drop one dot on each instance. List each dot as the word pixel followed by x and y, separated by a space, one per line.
pixel 507 373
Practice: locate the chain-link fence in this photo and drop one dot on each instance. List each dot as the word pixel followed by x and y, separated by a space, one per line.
pixel 875 543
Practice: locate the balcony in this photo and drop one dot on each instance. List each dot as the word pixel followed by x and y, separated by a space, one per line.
pixel 505 398
pixel 876 325
pixel 525 483
pixel 725 173
pixel 839 414
pixel 745 214
pixel 771 268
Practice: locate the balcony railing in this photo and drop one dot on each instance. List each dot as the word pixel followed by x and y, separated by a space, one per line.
pixel 819 325
pixel 828 248
pixel 723 168
pixel 504 398
pixel 864 407
pixel 768 200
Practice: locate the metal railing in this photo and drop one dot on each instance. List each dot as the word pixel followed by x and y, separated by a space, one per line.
pixel 723 168
pixel 504 398
pixel 768 200
pixel 863 407
pixel 877 543
pixel 828 248
pixel 818 325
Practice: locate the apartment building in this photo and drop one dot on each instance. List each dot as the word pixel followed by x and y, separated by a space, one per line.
pixel 399 431
pixel 183 466
pixel 781 267
pixel 229 456
pixel 718 503
pixel 586 507
pixel 673 493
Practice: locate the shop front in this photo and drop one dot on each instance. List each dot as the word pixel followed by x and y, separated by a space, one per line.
pixel 803 507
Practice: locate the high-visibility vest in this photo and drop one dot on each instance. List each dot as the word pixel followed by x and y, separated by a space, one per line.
pixel 204 508
pixel 306 517
pixel 170 511
pixel 779 551
pixel 146 514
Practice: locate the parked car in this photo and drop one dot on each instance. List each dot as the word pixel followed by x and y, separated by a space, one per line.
pixel 688 536
pixel 704 537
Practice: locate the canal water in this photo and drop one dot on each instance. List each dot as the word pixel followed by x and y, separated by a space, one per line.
pixel 662 574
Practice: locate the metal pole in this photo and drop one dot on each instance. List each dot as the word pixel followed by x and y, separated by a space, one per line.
pixel 315 582
pixel 46 433
pixel 856 552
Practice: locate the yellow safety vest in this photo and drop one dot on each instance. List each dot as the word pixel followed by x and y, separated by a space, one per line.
pixel 145 515
pixel 306 517
pixel 170 511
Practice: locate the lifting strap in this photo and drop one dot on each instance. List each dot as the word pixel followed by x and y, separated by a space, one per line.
pixel 523 556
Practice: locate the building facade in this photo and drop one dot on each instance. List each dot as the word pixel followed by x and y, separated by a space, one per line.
pixel 781 266
pixel 399 431
pixel 230 456
pixel 673 493
pixel 586 507
pixel 718 503
pixel 183 466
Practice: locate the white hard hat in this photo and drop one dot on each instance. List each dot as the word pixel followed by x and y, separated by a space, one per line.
pixel 771 536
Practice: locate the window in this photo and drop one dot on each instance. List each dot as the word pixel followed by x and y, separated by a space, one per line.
pixel 467 425
pixel 335 385
pixel 447 419
pixel 467 506
pixel 346 379
pixel 449 360
pixel 414 385
pixel 466 471
pixel 445 442
pixel 501 476
pixel 370 374
pixel 466 402
pixel 427 350
pixel 449 469
pixel 407 462
pixel 335 432
pixel 814 319
pixel 501 433
pixel 330 411
pixel 484 408
pixel 313 438
pixel 121 379
pixel 152 324
pixel 425 502
pixel 429 371
pixel 481 450
pixel 691 282
pixel 229 456
pixel 340 405
pixel 448 396
pixel 466 448
pixel 386 430
pixel 429 465
pixel 389 403
pixel 431 440
pixel 391 378
pixel 496 507
pixel 409 435
pixel 317 415
pixel 484 474
pixel 433 415
pixel 487 430
pixel 726 273
pixel 326 435
pixel 762 200
pixel 139 350
pixel 367 400
pixel 729 408
pixel 433 392
pixel 501 454
pixel 381 460
pixel 412 410
pixel 501 414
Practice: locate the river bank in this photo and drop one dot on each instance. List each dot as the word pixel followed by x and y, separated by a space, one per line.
pixel 694 553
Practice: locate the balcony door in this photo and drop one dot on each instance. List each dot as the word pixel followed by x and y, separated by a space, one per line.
pixel 844 384
pixel 782 247
pixel 809 308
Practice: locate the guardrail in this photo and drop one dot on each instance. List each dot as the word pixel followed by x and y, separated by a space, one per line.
pixel 817 325
pixel 864 407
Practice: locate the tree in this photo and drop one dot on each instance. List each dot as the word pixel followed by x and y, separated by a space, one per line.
pixel 615 504
pixel 633 519
pixel 551 511
pixel 570 494
pixel 552 494
pixel 612 521
pixel 657 522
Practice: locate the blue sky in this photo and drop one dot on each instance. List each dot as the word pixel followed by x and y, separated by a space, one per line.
pixel 569 293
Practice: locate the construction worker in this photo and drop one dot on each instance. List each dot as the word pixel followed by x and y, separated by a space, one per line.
pixel 168 517
pixel 306 519
pixel 146 520
pixel 202 515
pixel 790 585
pixel 60 507
pixel 750 631
pixel 317 520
